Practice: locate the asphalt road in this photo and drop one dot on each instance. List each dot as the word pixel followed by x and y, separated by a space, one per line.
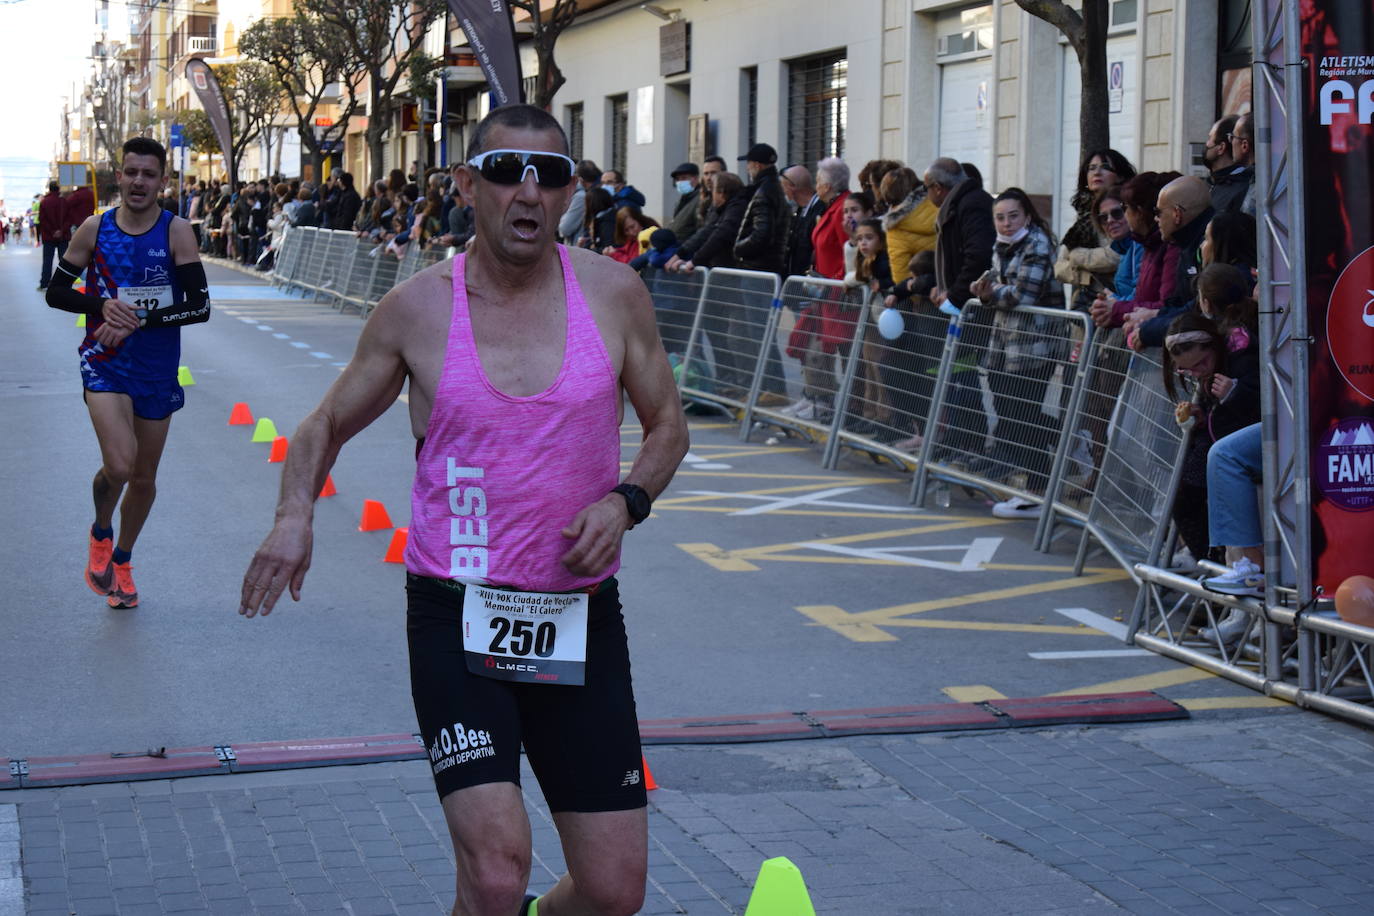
pixel 762 583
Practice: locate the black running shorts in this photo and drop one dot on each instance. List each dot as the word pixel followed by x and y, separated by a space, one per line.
pixel 582 742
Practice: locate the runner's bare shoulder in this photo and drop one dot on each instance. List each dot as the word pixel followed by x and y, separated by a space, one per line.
pixel 608 284
pixel 417 306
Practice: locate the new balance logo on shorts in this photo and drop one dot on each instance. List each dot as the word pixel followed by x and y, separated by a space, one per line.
pixel 631 778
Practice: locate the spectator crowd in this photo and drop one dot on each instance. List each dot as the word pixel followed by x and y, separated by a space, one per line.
pixel 1156 261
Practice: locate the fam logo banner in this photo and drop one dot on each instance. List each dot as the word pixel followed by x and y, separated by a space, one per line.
pixel 1338 147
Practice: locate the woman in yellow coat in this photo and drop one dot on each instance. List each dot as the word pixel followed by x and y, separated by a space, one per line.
pixel 909 221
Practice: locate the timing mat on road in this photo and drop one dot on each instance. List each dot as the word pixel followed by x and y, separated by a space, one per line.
pixel 224 759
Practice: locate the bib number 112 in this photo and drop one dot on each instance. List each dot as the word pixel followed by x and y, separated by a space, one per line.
pixel 521 637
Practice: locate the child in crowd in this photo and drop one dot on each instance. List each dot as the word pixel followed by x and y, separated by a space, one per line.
pixel 1222 367
pixel 872 270
pixel 662 245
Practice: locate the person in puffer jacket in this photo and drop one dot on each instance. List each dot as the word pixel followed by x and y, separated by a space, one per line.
pixel 1023 347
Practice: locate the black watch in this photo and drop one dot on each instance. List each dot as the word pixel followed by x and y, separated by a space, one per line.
pixel 636 500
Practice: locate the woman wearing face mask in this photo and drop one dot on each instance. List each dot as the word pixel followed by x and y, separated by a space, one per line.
pixel 1020 357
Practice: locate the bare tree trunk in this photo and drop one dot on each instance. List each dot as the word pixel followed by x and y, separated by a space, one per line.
pixel 551 78
pixel 1087 35
pixel 1094 128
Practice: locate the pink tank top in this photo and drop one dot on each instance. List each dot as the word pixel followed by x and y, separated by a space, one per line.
pixel 499 477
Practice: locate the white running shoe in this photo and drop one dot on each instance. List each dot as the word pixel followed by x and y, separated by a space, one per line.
pixel 1016 507
pixel 1229 629
pixel 806 412
pixel 1243 578
pixel 791 409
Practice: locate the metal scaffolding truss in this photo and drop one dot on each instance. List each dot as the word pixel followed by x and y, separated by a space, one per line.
pixel 1294 646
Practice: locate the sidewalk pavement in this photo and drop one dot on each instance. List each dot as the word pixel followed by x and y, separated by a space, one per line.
pixel 1265 812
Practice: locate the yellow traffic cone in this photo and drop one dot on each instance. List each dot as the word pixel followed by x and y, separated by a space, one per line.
pixel 184 377
pixel 80 321
pixel 779 891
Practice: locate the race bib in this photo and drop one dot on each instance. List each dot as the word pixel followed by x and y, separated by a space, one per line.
pixel 147 298
pixel 529 637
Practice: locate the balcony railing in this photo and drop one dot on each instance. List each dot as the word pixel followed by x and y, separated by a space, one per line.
pixel 199 43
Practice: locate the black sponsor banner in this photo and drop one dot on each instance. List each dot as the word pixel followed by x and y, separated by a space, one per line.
pixel 490 29
pixel 1338 146
pixel 207 88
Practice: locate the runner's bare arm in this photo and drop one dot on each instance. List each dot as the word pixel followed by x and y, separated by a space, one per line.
pixel 367 387
pixel 648 380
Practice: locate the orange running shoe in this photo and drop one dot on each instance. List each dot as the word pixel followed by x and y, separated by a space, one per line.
pixel 99 574
pixel 123 594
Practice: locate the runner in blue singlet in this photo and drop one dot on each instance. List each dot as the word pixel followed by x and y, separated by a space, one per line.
pixel 144 280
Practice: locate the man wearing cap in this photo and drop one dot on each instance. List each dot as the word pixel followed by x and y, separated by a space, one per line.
pixel 761 245
pixel 686 218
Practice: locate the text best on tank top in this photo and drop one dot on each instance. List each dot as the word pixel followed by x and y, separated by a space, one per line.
pixel 499 477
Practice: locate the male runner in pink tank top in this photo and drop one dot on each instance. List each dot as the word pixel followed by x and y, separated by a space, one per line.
pixel 517 356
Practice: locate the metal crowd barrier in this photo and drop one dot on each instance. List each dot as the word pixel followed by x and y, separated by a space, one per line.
pixel 1068 418
pixel 730 337
pixel 346 270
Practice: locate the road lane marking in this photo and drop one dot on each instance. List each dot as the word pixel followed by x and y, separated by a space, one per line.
pixel 866 626
pixel 247 320
pixel 1246 701
pixel 973 693
pixel 1088 618
pixel 282 336
pixel 740 560
pixel 264 327
pixel 319 355
pixel 1171 678
pixel 300 345
pixel 1089 653
pixel 977 553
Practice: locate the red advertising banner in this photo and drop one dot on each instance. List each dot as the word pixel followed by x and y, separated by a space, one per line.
pixel 1338 143
pixel 207 89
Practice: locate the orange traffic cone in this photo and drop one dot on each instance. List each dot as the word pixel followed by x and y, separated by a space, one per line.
pixel 328 488
pixel 374 516
pixel 240 415
pixel 396 553
pixel 278 452
pixel 649 784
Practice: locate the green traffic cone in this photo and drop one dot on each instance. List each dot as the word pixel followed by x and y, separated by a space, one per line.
pixel 265 431
pixel 779 891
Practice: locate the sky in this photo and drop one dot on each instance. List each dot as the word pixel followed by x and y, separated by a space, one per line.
pixel 45 45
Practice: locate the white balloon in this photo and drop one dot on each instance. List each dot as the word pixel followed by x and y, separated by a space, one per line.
pixel 890 324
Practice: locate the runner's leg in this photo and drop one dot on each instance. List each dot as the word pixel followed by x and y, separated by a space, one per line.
pixel 491 842
pixel 112 415
pixel 608 864
pixel 142 489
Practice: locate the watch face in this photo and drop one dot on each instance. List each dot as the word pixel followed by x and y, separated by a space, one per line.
pixel 636 500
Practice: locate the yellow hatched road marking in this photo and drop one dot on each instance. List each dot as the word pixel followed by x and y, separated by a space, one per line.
pixel 1170 678
pixel 973 693
pixel 884 614
pixel 1252 701
pixel 738 560
pixel 993 626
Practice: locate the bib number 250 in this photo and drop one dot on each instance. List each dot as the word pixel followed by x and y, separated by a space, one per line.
pixel 521 637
